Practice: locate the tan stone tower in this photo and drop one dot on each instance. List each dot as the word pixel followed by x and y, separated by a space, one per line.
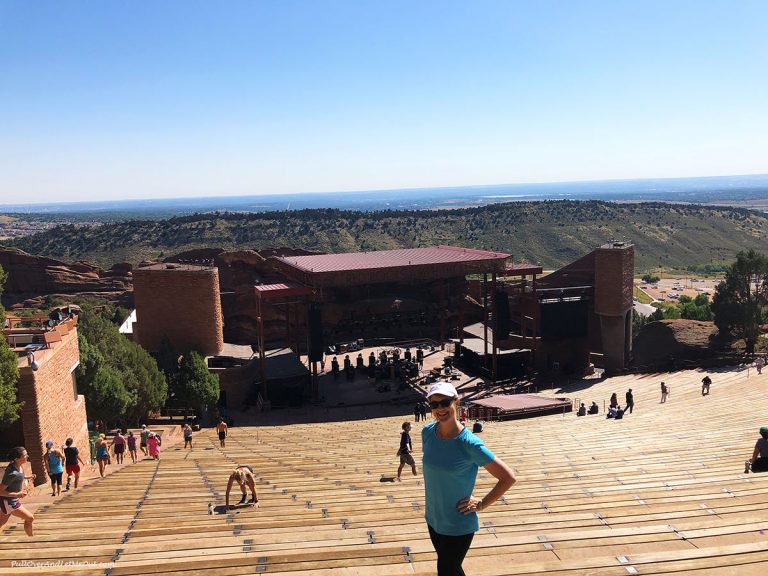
pixel 182 302
pixel 614 272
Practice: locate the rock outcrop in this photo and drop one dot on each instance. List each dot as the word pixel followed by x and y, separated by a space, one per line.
pixel 35 277
pixel 660 342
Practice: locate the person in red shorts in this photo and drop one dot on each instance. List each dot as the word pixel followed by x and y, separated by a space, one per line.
pixel 72 461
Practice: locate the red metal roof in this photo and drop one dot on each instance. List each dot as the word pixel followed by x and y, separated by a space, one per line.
pixel 389 259
pixel 281 290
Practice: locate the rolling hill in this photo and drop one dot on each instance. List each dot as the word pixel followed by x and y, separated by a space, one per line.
pixel 551 233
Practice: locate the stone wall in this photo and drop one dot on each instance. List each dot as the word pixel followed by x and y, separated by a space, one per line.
pixel 181 302
pixel 52 408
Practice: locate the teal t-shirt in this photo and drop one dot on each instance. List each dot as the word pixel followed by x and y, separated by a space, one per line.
pixel 450 470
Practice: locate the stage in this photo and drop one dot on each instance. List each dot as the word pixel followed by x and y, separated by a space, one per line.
pixel 511 406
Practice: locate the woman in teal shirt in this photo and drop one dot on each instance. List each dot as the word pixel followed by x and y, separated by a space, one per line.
pixel 451 458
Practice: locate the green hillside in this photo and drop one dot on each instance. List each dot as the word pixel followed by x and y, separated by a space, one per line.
pixel 551 233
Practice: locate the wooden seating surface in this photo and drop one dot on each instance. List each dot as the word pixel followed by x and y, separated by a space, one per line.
pixel 662 491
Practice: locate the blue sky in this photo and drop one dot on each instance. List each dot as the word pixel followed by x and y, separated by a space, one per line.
pixel 102 100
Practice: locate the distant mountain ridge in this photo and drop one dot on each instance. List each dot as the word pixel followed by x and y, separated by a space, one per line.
pixel 551 233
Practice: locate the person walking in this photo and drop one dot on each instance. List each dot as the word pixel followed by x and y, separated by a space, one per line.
pixel 131 441
pixel 706 382
pixel 153 445
pixel 417 411
pixel 451 458
pixel 54 466
pixel 102 454
pixel 221 428
pixel 187 435
pixel 759 364
pixel 145 432
pixel 664 392
pixel 72 461
pixel 13 489
pixel 630 401
pixel 406 450
pixel 118 446
pixel 335 368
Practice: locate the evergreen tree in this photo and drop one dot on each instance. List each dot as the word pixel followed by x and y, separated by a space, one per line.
pixel 741 299
pixel 196 386
pixel 117 377
pixel 9 373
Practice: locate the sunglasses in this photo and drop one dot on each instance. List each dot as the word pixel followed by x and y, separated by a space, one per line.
pixel 435 404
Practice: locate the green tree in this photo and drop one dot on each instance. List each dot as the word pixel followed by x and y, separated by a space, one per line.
pixel 638 321
pixel 167 359
pixel 106 354
pixel 701 299
pixel 106 395
pixel 740 300
pixel 196 386
pixel 9 373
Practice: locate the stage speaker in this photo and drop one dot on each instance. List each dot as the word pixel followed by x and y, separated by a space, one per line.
pixel 316 345
pixel 503 319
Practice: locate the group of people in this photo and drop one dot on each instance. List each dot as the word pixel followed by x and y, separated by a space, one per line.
pixel 420 411
pixel 583 411
pixel 387 366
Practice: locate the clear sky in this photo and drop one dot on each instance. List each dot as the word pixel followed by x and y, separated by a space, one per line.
pixel 103 100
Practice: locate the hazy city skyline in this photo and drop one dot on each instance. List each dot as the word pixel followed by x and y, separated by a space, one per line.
pixel 179 99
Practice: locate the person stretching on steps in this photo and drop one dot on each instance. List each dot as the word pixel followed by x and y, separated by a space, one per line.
pixel 243 475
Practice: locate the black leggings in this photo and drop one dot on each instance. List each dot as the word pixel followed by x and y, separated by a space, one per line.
pixel 760 465
pixel 450 551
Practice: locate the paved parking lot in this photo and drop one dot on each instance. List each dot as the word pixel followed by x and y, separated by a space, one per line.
pixel 670 288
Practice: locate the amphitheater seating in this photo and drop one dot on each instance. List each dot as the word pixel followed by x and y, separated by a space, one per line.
pixel 660 492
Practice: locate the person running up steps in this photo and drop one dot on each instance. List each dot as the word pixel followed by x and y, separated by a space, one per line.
pixel 12 490
pixel 54 466
pixel 72 462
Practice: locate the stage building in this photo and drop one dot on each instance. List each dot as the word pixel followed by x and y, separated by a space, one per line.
pixel 507 319
pixel 568 322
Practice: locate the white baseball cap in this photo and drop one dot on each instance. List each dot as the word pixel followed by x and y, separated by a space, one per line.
pixel 442 388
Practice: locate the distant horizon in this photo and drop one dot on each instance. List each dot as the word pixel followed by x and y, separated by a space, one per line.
pixel 176 199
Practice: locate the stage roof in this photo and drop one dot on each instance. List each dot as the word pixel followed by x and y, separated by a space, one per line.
pixel 390 265
pixel 281 290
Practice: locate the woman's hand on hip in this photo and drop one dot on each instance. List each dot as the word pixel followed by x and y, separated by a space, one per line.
pixel 469 505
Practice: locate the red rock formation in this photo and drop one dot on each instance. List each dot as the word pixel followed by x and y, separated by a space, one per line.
pixel 32 277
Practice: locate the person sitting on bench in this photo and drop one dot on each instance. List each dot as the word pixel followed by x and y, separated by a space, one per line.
pixel 243 475
pixel 759 460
